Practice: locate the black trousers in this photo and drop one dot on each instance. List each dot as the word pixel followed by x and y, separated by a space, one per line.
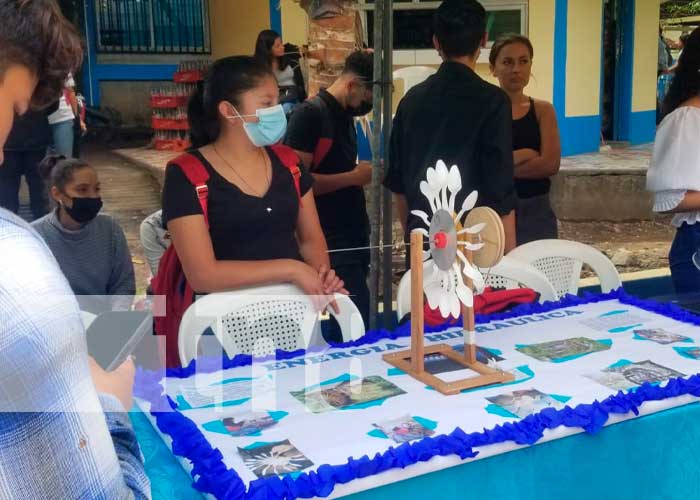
pixel 354 274
pixel 16 165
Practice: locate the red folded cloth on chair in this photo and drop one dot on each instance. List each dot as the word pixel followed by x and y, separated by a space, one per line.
pixel 489 302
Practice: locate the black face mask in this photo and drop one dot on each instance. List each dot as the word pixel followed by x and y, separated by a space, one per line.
pixel 84 209
pixel 360 110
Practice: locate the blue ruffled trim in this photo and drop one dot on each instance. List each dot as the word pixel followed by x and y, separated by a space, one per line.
pixel 212 477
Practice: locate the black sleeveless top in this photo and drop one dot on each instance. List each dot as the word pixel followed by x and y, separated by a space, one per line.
pixel 526 135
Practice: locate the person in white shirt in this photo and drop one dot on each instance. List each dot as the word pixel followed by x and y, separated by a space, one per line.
pixel 674 172
pixel 63 119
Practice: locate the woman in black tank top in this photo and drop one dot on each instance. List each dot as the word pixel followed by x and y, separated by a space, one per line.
pixel 536 146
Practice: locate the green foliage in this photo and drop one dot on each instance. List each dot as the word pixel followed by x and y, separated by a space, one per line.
pixel 680 8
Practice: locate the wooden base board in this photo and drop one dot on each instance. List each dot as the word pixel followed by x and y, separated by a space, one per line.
pixel 487 375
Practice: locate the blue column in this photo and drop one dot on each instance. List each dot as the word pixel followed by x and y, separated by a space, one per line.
pixel 276 16
pixel 624 70
pixel 91 84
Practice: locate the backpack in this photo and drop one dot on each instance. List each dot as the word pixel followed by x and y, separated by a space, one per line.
pixel 170 280
pixel 325 143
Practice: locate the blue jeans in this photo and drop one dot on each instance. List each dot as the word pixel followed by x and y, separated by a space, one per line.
pixel 686 277
pixel 63 136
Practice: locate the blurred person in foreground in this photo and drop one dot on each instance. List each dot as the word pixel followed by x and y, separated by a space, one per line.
pixel 64 430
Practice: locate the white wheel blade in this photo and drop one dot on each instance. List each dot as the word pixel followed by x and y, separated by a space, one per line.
pixel 432 179
pixel 429 193
pixel 465 295
pixel 454 183
pixel 422 216
pixel 454 305
pixel 468 204
pixel 432 292
pixel 473 229
pixel 474 247
pixel 444 305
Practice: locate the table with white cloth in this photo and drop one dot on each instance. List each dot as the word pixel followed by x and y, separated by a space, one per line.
pixel 339 421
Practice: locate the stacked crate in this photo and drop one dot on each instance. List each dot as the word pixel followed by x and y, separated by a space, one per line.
pixel 169 103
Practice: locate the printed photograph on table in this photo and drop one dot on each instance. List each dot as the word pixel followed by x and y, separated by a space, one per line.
pixel 346 394
pixel 689 352
pixel 627 376
pixel 247 424
pixel 404 429
pixel 525 402
pixel 614 321
pixel 274 459
pixel 661 336
pixel 559 350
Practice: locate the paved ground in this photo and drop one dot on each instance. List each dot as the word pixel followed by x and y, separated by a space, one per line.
pixel 618 159
pixel 130 193
pixel 634 246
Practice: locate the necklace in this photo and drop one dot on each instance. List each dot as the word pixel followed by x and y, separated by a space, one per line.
pixel 267 173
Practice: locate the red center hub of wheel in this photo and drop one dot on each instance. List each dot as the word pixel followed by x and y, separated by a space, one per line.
pixel 440 240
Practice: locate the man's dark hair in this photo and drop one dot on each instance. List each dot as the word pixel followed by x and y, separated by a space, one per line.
pixel 459 26
pixel 35 35
pixel 361 64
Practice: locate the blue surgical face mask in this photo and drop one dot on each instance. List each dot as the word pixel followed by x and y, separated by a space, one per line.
pixel 270 128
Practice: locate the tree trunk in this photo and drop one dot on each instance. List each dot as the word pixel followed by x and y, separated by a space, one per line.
pixel 335 31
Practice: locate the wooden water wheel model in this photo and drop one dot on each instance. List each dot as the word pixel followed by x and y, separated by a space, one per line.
pixel 448 274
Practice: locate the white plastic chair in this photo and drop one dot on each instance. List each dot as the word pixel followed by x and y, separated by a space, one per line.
pixel 508 274
pixel 261 319
pixel 561 262
pixel 413 75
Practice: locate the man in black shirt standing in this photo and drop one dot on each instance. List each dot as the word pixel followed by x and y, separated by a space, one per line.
pixel 26 146
pixel 322 132
pixel 457 117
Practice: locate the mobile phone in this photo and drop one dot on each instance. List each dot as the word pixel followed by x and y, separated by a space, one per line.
pixel 114 335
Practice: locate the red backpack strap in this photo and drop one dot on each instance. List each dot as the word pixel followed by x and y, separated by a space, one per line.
pixel 325 143
pixel 291 161
pixel 198 176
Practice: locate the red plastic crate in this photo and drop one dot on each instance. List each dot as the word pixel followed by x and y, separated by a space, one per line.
pixel 192 76
pixel 169 124
pixel 168 102
pixel 177 145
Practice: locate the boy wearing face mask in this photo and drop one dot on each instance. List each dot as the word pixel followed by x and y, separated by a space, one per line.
pixel 90 247
pixel 322 132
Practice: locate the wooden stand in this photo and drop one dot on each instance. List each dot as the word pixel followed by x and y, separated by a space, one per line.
pixel 413 362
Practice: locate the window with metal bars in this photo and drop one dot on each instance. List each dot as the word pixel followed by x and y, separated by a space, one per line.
pixel 413 21
pixel 153 26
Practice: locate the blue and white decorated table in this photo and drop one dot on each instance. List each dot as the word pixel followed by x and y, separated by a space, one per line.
pixel 340 421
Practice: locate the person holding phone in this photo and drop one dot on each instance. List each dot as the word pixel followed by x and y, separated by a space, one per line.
pixel 52 396
pixel 89 246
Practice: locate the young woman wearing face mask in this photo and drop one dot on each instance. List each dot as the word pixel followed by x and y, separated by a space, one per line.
pixel 90 247
pixel 270 50
pixel 259 231
pixel 536 146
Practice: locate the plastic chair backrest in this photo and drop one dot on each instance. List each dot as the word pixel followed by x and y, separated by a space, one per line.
pixel 260 320
pixel 508 274
pixel 561 262
pixel 413 75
